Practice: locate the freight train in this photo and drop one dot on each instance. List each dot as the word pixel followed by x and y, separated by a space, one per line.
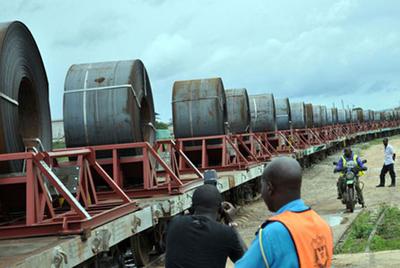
pixel 106 199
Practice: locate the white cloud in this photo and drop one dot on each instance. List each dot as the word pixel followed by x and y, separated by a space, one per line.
pixel 316 50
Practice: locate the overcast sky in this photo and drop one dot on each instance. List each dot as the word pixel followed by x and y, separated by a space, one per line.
pixel 318 51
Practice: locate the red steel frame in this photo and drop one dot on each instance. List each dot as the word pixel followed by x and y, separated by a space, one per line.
pixel 43 215
pixel 223 152
pixel 165 180
pixel 89 207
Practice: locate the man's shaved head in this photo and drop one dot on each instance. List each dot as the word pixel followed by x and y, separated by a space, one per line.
pixel 281 182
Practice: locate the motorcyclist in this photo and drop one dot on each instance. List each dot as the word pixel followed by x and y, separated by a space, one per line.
pixel 347 157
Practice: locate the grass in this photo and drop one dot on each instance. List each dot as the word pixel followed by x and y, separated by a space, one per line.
pixel 388 232
pixel 358 234
pixel 387 236
pixel 58 145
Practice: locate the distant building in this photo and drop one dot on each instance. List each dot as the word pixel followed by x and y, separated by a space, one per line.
pixel 57 126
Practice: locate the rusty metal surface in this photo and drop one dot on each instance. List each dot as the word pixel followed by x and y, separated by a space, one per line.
pixel 238 110
pixel 199 108
pixel 283 115
pixel 108 102
pixel 24 97
pixel 262 110
pixel 298 114
pixel 309 115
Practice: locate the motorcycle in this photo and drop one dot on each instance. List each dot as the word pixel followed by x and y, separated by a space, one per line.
pixel 350 174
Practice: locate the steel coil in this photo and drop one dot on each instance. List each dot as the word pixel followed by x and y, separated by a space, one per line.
pixel 317 120
pixel 298 114
pixel 341 116
pixel 329 116
pixel 199 108
pixel 377 116
pixel 262 111
pixel 283 116
pixel 108 102
pixel 238 110
pixel 334 115
pixel 357 115
pixel 24 97
pixel 324 115
pixel 309 115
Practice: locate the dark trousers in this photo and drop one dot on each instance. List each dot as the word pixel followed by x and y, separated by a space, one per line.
pixel 384 170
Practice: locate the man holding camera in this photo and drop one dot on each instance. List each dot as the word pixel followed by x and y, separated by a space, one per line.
pixel 199 240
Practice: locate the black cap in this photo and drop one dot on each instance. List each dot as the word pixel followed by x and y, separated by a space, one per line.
pixel 207 196
pixel 210 177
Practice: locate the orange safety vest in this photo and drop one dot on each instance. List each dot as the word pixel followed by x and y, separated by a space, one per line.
pixel 311 235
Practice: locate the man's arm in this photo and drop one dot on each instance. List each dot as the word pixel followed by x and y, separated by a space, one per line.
pixel 237 245
pixel 339 165
pixel 359 162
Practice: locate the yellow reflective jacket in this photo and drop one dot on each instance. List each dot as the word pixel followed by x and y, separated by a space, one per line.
pixel 344 162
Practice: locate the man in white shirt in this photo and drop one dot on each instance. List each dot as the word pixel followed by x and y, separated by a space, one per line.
pixel 388 164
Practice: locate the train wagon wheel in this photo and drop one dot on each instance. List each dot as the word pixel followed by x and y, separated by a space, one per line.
pixel 142 245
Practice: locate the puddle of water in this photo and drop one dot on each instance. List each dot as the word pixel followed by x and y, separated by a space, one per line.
pixel 333 220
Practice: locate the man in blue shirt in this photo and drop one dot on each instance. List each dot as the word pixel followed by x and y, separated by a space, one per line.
pixel 279 241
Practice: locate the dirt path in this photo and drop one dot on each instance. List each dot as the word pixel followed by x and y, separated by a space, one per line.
pixel 319 192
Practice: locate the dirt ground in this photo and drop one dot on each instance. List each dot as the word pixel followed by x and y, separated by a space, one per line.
pixel 319 192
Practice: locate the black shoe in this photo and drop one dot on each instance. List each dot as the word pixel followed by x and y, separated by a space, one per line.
pixel 392 185
pixel 363 205
pixel 380 185
pixel 339 197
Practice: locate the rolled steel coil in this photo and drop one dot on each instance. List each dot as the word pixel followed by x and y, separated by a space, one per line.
pixel 371 115
pixel 108 102
pixel 334 115
pixel 309 115
pixel 357 115
pixel 298 115
pixel 366 115
pixel 377 116
pixel 237 104
pixel 283 115
pixel 348 115
pixel 24 97
pixel 324 115
pixel 199 108
pixel 262 110
pixel 329 116
pixel 341 116
pixel 317 120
